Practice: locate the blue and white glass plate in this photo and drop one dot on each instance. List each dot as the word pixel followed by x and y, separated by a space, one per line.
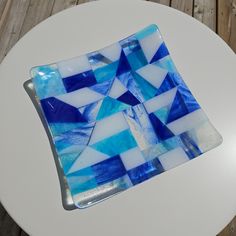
pixel 117 117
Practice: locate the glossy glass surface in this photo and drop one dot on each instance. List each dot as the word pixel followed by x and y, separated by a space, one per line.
pixel 119 116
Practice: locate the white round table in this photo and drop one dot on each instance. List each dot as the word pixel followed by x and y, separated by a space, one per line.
pixel 197 198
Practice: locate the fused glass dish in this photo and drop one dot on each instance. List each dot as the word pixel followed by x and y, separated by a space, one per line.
pixel 117 117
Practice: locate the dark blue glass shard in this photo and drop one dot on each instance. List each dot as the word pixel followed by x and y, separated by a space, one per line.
pixel 128 98
pixel 58 111
pixel 188 98
pixel 108 170
pixel 160 129
pixel 160 53
pixel 145 171
pixel 183 104
pixel 189 146
pixel 171 80
pixel 74 82
pixel 124 65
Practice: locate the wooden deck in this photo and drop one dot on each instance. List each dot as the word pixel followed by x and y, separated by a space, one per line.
pixel 17 17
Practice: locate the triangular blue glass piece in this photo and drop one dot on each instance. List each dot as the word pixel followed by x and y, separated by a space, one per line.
pixel 67 160
pixel 162 114
pixel 171 81
pixel 148 91
pixel 183 104
pixel 128 98
pixel 110 106
pixel 160 53
pixel 103 87
pixel 58 111
pixel 107 72
pixel 160 129
pixel 116 144
pixel 124 65
pixel 167 64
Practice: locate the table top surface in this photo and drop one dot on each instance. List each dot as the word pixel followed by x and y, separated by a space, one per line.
pixel 187 197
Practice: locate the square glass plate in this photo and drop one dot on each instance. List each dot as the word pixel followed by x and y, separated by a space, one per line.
pixel 117 117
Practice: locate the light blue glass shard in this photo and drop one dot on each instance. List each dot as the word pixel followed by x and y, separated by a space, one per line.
pixel 110 106
pixel 81 181
pixel 137 59
pixel 161 148
pixel 47 81
pixel 162 114
pixel 148 91
pixel 166 63
pixel 67 160
pixel 116 144
pixel 119 116
pixel 106 73
pixel 146 32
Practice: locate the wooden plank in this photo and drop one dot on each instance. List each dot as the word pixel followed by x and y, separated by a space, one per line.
pixel 23 233
pixel 2 6
pixel 227 21
pixel 205 11
pixel 10 32
pixel 2 213
pixel 183 5
pixel 38 11
pixel 84 1
pixel 164 2
pixel 9 227
pixel 60 5
pixel 230 229
pixel 4 9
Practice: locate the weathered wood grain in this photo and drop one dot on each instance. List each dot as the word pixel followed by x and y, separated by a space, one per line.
pixel 227 21
pixel 84 1
pixel 60 5
pixel 164 2
pixel 10 31
pixel 37 11
pixel 4 10
pixel 9 227
pixel 22 233
pixel 183 5
pixel 205 11
pixel 2 214
pixel 230 230
pixel 2 6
